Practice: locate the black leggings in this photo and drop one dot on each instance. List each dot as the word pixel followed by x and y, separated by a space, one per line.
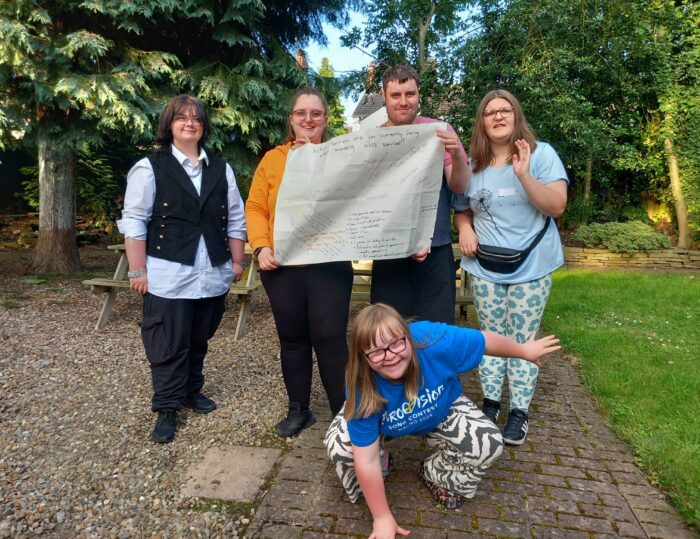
pixel 310 305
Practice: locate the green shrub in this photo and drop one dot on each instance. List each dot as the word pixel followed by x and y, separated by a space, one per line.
pixel 578 212
pixel 630 237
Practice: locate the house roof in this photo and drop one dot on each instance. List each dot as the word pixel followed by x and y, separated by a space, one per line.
pixel 368 104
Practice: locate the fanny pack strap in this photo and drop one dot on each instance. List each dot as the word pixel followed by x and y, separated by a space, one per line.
pixel 537 238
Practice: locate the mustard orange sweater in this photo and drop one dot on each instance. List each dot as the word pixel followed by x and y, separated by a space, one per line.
pixel 262 197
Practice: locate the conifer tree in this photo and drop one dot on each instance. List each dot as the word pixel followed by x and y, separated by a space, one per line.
pixel 76 72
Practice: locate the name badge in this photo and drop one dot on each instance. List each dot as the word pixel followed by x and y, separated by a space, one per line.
pixel 506 192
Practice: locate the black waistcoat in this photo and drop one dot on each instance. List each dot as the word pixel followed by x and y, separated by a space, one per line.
pixel 180 215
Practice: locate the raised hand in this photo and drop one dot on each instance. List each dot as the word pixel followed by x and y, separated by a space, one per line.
pixel 521 159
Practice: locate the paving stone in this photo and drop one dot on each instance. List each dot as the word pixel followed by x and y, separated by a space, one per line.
pixel 547 533
pixel 446 520
pixel 529 516
pixel 563 471
pixel 274 531
pixel 233 473
pixel 346 525
pixel 541 479
pixel 623 513
pixel 509 529
pixel 630 529
pixel 662 532
pixel 554 505
pixel 585 523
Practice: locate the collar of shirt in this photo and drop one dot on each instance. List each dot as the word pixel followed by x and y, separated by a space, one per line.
pixel 182 158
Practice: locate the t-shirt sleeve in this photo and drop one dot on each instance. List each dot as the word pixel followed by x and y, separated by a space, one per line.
pixel 460 202
pixel 547 167
pixel 364 431
pixel 459 348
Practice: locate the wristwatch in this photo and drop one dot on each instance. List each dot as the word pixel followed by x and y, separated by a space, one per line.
pixel 257 251
pixel 137 273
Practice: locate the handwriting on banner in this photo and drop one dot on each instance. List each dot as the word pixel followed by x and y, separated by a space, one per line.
pixel 366 195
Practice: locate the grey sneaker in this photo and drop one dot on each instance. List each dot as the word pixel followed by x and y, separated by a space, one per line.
pixel 491 409
pixel 516 428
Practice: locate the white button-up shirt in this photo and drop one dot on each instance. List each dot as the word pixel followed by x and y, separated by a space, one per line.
pixel 169 279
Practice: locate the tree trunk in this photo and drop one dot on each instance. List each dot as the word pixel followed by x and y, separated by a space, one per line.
pixel 678 200
pixel 588 180
pixel 423 27
pixel 56 249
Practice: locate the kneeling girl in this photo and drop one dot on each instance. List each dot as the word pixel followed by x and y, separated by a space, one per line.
pixel 403 379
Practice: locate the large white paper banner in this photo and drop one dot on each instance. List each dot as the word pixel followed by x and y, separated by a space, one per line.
pixel 368 195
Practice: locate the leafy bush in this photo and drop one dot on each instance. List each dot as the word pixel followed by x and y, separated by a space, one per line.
pixel 578 212
pixel 630 237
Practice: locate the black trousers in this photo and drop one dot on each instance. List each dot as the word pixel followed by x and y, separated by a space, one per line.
pixel 310 305
pixel 175 334
pixel 420 290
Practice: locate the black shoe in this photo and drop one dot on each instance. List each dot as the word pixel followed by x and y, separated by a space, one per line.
pixel 164 431
pixel 200 404
pixel 491 409
pixel 298 418
pixel 516 428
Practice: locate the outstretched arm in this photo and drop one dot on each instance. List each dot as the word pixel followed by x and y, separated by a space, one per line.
pixel 498 345
pixel 369 474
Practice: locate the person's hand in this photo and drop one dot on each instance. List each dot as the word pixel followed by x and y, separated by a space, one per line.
pixel 387 528
pixel 266 259
pixel 237 271
pixel 534 349
pixel 421 255
pixel 451 142
pixel 468 241
pixel 521 159
pixel 298 143
pixel 139 284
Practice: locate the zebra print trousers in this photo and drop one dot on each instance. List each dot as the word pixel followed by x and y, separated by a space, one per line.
pixel 465 444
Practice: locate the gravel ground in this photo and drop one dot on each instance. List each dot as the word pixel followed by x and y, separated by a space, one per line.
pixel 75 420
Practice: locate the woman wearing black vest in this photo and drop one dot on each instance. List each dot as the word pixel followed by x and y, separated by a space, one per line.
pixel 184 231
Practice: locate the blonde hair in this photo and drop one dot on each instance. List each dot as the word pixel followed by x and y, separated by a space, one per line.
pixel 385 321
pixel 480 146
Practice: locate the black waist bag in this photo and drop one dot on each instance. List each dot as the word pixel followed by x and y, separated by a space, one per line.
pixel 503 259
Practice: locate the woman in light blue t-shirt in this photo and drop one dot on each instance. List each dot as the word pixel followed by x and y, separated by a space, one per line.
pixel 517 182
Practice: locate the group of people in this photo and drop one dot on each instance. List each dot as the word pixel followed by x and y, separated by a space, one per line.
pixel 185 226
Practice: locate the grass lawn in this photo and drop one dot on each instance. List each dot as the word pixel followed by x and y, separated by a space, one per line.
pixel 638 339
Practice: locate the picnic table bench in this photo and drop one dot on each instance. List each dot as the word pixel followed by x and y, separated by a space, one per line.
pixel 245 288
pixel 250 285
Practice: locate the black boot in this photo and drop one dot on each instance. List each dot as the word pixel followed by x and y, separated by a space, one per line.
pixel 491 409
pixel 164 431
pixel 298 418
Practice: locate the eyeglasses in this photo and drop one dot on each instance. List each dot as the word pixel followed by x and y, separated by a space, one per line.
pixel 505 112
pixel 182 118
pixel 379 354
pixel 302 114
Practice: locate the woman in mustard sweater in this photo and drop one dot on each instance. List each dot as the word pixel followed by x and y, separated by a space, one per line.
pixel 310 303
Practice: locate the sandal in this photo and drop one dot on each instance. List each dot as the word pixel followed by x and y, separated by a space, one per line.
pixel 440 494
pixel 387 464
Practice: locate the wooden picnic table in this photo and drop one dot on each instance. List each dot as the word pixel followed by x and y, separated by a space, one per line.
pixel 250 285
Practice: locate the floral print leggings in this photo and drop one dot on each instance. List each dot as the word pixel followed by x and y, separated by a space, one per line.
pixel 513 310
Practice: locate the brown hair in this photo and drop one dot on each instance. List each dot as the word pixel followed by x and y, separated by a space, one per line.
pixel 179 105
pixel 359 376
pixel 400 74
pixel 480 146
pixel 309 90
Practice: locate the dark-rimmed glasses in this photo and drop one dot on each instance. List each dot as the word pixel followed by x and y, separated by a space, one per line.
pixel 379 354
pixel 505 112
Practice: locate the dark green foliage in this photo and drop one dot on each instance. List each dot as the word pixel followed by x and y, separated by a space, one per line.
pixel 100 179
pixel 630 237
pixel 578 212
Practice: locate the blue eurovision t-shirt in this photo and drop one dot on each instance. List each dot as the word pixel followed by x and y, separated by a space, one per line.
pixel 443 353
pixel 505 217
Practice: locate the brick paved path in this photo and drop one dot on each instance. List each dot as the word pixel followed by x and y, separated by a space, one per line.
pixel 572 478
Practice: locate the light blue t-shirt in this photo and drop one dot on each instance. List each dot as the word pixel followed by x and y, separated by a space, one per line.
pixel 447 351
pixel 503 216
